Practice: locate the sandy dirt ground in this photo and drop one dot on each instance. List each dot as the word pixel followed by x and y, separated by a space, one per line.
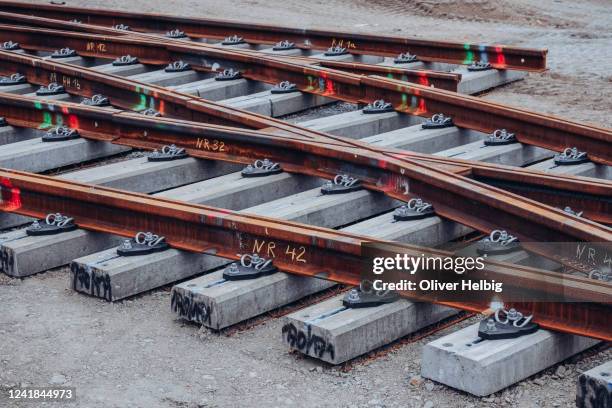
pixel 136 354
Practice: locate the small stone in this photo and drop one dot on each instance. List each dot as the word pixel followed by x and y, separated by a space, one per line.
pixel 428 404
pixel 319 369
pixel 57 379
pixel 429 386
pixel 373 402
pixel 415 381
pixel 488 399
pixel 253 374
pixel 560 371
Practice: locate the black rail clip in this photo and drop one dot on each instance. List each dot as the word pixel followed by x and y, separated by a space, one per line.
pixel 438 121
pixel 284 87
pixel 367 296
pixel 228 75
pixel 405 58
pixel 415 209
pixel 249 267
pixel 64 53
pixel 509 326
pixel 176 33
pixel 177 66
pixel 13 79
pixel 341 184
pixel 96 100
pixel 500 137
pixel 151 112
pixel 52 89
pixel 570 156
pixel 122 27
pixel 60 134
pixel 125 60
pixel 76 21
pixel 10 46
pixel 283 46
pixel 479 66
pixel 262 168
pixel 497 243
pixel 233 40
pixel 167 153
pixel 335 51
pixel 378 106
pixel 54 223
pixel 3 122
pixel 143 243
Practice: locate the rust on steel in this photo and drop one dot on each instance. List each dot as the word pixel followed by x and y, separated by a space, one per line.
pixel 159 52
pixel 295 248
pixel 470 112
pixel 136 96
pixel 392 172
pixel 499 56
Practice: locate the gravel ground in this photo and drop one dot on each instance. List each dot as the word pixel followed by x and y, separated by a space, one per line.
pixel 135 354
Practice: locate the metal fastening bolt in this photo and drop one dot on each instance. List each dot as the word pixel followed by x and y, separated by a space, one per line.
pixel 127 244
pixel 233 268
pixel 35 225
pixel 353 295
pixel 491 325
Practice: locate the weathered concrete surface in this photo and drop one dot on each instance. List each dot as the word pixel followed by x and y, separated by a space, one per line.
pixel 214 90
pixel 16 245
pixel 585 169
pixel 595 387
pixel 34 155
pixel 479 81
pixel 163 78
pixel 143 176
pixel 495 364
pixel 11 134
pixel 333 333
pixel 275 105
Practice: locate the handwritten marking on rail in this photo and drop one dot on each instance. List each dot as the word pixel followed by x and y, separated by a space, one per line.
pixel 213 145
pixel 68 82
pixel 96 47
pixel 348 44
pixel 296 254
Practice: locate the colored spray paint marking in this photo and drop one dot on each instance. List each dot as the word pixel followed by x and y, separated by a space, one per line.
pixel 10 196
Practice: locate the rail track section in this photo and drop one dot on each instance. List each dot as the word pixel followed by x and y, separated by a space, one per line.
pixel 104 270
pixel 451 77
pixel 498 56
pixel 38 71
pixel 413 99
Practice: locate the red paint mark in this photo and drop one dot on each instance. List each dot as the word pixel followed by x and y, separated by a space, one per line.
pixel 73 122
pixel 162 107
pixel 10 196
pixel 64 109
pixel 423 80
pixel 422 106
pixel 501 58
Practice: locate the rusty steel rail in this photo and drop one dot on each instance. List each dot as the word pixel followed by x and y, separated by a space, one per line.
pixel 541 130
pixel 160 53
pixel 136 96
pixel 454 196
pixel 133 95
pixel 325 253
pixel 499 56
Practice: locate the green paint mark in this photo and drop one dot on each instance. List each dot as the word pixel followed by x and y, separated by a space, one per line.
pixel 469 55
pixel 142 105
pixel 47 121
